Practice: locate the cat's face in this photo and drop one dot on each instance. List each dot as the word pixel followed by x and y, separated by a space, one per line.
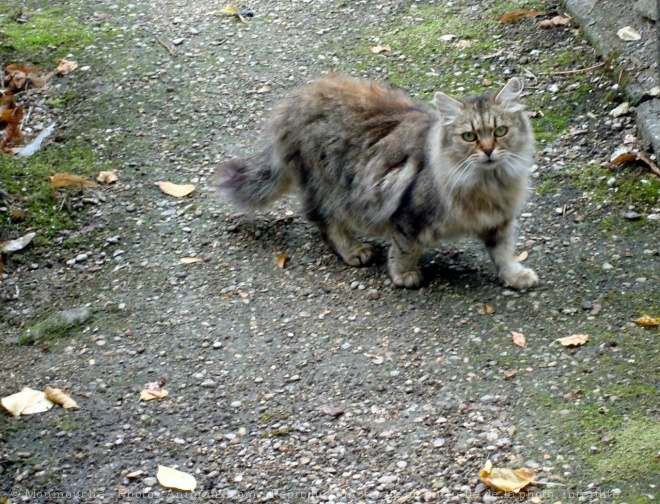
pixel 486 132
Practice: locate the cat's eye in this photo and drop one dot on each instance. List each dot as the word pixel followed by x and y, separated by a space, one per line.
pixel 469 136
pixel 501 131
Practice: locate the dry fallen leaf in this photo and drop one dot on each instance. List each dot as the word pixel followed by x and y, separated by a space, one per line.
pixel 16 80
pixel 282 260
pixel 555 21
pixel 176 190
pixel 191 260
pixel 108 177
pixel 512 17
pixel 68 179
pixel 39 81
pixel 12 132
pixel 633 157
pixel 26 69
pixel 505 480
pixel 26 402
pixel 59 396
pixel 380 48
pixel 232 10
pixel 489 309
pixel 523 255
pixel 171 478
pixel 154 390
pixel 17 244
pixel 519 339
pixel 629 34
pixel 66 66
pixel 648 321
pixel 573 341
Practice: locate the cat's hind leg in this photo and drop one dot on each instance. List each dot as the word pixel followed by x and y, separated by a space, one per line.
pixel 402 262
pixel 339 236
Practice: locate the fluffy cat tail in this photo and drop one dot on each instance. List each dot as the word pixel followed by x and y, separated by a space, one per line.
pixel 254 183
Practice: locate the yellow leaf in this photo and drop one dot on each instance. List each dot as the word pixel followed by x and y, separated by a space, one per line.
pixel 171 478
pixel 575 340
pixel 489 309
pixel 67 179
pixel 58 396
pixel 232 10
pixel 647 321
pixel 519 339
pixel 505 480
pixel 191 260
pixel 26 402
pixel 523 255
pixel 107 177
pixel 176 190
pixel 147 395
pixel 282 260
pixel 66 66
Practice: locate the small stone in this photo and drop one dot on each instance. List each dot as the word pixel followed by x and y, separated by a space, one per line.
pixel 621 110
pixel 355 284
pixel 372 294
pixel 236 404
pixel 81 257
pixel 179 441
pixel 217 344
pixel 193 31
pixel 295 378
pixel 150 481
pixel 401 464
pixel 213 474
pixel 632 216
pixel 611 182
pixel 653 216
pixel 607 266
pixel 438 443
pixel 178 41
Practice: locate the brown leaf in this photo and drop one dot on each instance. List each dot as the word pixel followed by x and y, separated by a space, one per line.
pixel 39 81
pixel 519 339
pixel 648 321
pixel 634 157
pixel 13 129
pixel 59 396
pixel 506 480
pixel 154 390
pixel 380 48
pixel 176 190
pixel 16 80
pixel 6 103
pixel 282 260
pixel 108 177
pixel 67 179
pixel 26 69
pixel 523 255
pixel 489 310
pixel 512 17
pixel 554 22
pixel 573 341
pixel 66 66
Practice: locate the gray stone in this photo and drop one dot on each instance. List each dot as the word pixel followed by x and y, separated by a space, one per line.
pixel 56 325
pixel 647 8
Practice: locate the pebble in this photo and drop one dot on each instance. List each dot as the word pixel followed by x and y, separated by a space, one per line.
pixel 653 216
pixel 81 257
pixel 438 443
pixel 372 294
pixel 236 404
pixel 150 481
pixel 217 344
pixel 607 266
pixel 193 31
pixel 611 182
pixel 622 109
pixel 355 284
pixel 178 41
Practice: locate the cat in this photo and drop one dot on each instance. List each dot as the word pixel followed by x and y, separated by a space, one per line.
pixel 365 158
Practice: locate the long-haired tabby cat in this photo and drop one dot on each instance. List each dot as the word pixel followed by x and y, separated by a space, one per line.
pixel 366 159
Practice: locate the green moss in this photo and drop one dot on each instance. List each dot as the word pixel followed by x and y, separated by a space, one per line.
pixel 279 413
pixel 282 431
pixel 47 34
pixel 26 180
pixel 635 451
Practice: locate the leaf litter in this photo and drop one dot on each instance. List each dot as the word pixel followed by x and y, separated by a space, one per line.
pixel 505 480
pixel 154 390
pixel 176 190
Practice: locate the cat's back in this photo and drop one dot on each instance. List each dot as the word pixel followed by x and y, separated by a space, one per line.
pixel 340 97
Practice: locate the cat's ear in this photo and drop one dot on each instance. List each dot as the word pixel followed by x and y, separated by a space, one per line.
pixel 509 95
pixel 448 107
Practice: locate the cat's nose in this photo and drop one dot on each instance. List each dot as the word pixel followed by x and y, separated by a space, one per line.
pixel 488 151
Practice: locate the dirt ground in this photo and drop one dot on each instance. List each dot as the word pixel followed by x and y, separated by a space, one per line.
pixel 317 382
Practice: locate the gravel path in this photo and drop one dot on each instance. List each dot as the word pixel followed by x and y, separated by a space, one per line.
pixel 318 382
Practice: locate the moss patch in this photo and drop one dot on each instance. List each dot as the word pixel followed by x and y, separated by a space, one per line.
pixel 47 34
pixel 635 450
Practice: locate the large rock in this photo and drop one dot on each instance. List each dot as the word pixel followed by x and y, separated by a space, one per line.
pixel 55 325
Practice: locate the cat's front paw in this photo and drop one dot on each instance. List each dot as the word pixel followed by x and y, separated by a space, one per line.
pixel 360 256
pixel 408 279
pixel 521 278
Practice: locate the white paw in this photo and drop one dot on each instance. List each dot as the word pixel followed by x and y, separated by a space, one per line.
pixel 361 256
pixel 521 278
pixel 408 279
